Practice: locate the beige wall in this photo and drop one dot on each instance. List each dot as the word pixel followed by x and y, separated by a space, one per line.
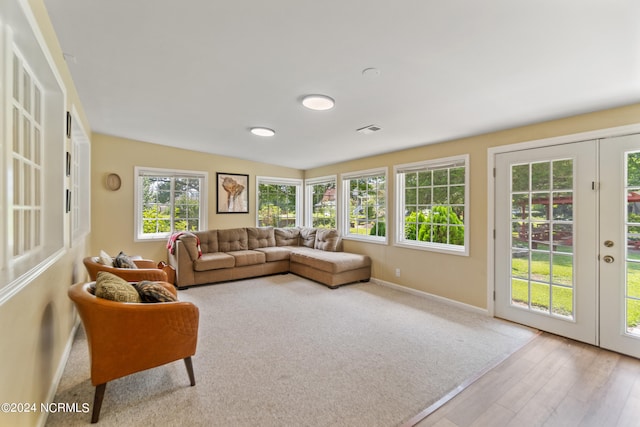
pixel 36 323
pixel 455 277
pixel 113 211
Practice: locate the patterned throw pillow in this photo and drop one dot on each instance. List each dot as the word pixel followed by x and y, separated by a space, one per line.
pixel 124 261
pixel 153 292
pixel 114 288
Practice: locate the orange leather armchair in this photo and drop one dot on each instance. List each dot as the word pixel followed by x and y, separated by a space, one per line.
pixel 125 338
pixel 147 270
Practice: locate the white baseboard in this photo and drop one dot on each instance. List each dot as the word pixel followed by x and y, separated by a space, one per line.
pixel 58 376
pixel 423 294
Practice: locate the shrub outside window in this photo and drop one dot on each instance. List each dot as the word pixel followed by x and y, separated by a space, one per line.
pixel 279 202
pixel 432 205
pixel 169 201
pixel 365 205
pixel 321 202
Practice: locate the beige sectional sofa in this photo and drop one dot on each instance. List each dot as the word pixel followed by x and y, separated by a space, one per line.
pixel 239 253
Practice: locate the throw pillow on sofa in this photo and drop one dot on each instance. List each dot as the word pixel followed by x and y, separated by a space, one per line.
pixel 114 288
pixel 153 292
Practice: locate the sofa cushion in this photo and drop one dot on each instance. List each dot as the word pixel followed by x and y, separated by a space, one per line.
pixel 248 257
pixel 260 237
pixel 114 288
pixel 308 237
pixel 327 239
pixel 287 236
pixel 275 253
pixel 214 261
pixel 232 239
pixel 331 262
pixel 208 242
pixel 153 292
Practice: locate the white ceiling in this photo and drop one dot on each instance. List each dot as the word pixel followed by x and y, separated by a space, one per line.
pixel 198 74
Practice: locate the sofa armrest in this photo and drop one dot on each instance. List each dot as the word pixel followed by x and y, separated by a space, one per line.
pixel 144 263
pixel 182 262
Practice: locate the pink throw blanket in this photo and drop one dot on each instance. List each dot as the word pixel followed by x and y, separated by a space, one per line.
pixel 171 244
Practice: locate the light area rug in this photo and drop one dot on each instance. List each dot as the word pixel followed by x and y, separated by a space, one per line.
pixel 285 351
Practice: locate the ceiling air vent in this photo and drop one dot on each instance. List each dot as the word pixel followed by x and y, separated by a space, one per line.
pixel 369 129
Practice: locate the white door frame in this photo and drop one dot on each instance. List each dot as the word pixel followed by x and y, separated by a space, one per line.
pixel 538 143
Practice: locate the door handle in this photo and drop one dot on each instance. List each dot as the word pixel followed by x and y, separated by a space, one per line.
pixel 608 259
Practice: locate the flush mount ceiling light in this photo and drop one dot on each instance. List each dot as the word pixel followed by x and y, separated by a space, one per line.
pixel 263 131
pixel 318 102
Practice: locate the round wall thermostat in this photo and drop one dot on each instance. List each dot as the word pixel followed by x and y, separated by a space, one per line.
pixel 113 181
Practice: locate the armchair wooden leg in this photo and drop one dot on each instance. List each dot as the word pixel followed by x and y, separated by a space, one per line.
pixel 97 402
pixel 189 365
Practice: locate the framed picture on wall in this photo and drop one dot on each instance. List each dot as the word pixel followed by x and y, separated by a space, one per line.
pixel 233 193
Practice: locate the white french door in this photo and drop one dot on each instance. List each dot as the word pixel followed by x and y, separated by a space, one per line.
pixel 620 244
pixel 567 249
pixel 546 239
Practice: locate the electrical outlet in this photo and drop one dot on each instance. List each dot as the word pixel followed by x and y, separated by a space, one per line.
pixel 397 272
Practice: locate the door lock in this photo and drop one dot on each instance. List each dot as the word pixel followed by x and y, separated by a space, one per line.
pixel 608 259
pixel 608 243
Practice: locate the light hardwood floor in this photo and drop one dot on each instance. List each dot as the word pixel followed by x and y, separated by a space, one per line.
pixel 552 381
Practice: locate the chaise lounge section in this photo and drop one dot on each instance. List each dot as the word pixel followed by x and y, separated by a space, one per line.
pixel 215 256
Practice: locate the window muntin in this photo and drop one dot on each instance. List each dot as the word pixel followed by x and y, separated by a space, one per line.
pixel 321 202
pixel 279 202
pixel 26 155
pixel 365 205
pixel 432 204
pixel 169 201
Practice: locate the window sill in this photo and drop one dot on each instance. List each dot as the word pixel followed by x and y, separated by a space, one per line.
pixel 374 240
pixel 435 247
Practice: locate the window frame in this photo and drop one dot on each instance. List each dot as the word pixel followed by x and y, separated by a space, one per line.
pixel 309 184
pixel 20 34
pixel 298 183
pixel 141 171
pixel 80 181
pixel 433 164
pixel 344 209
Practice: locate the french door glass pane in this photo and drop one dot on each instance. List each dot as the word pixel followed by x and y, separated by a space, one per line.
pixel 632 286
pixel 542 262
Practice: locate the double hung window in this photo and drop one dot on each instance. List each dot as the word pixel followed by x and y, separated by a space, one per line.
pixel 321 202
pixel 432 205
pixel 279 202
pixel 169 201
pixel 364 196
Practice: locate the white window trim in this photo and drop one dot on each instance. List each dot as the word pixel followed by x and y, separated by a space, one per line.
pixel 19 28
pixel 268 180
pixel 204 203
pixel 80 180
pixel 343 214
pixel 308 197
pixel 399 211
